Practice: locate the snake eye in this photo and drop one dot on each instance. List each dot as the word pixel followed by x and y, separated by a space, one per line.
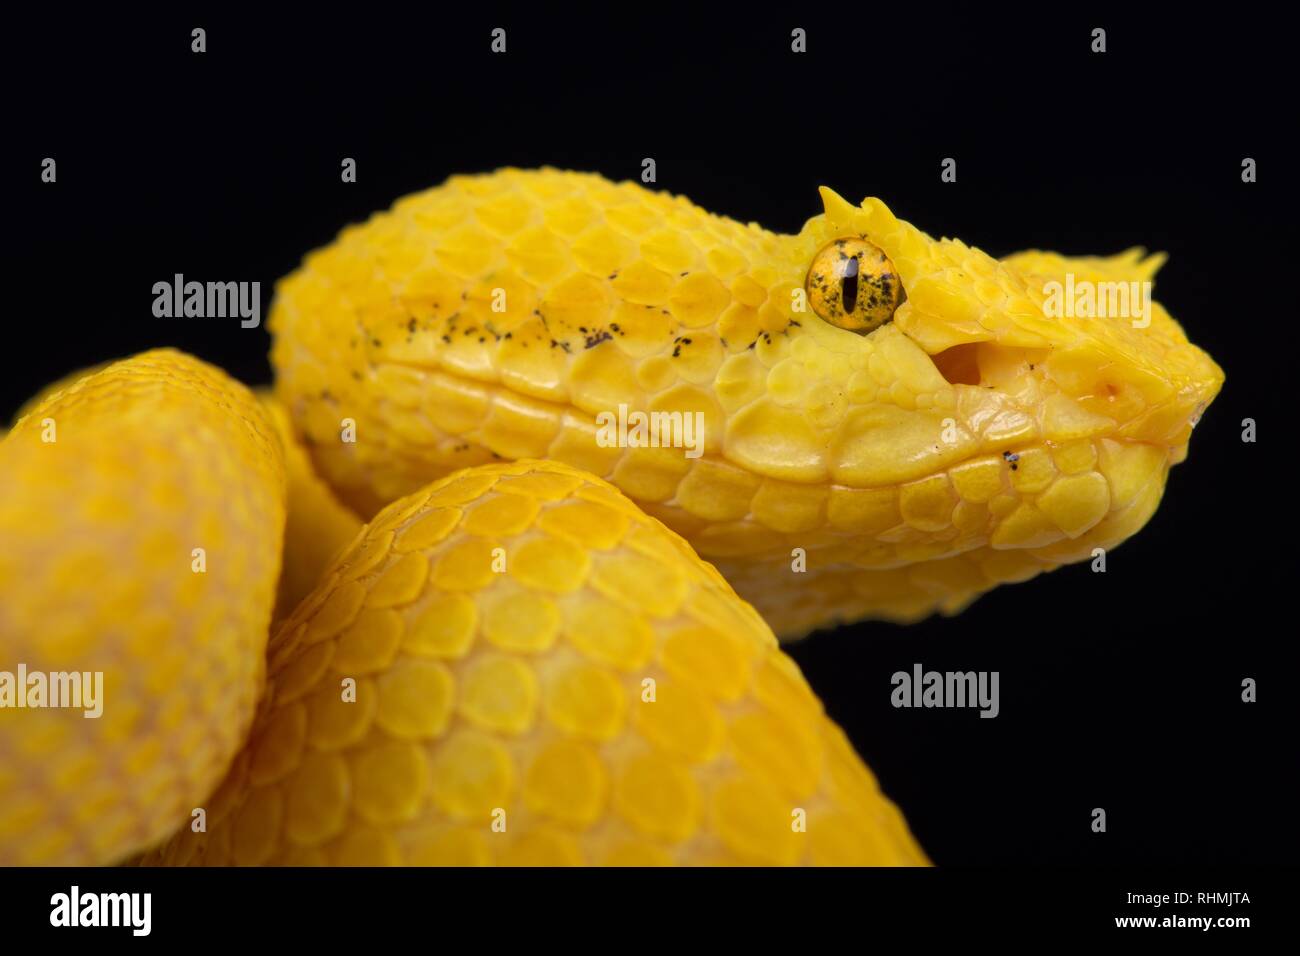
pixel 852 285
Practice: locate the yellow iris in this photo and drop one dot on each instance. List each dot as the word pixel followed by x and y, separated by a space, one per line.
pixel 853 285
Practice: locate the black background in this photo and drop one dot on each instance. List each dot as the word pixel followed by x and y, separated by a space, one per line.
pixel 1120 690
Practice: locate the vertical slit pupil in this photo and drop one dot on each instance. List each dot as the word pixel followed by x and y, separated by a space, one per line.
pixel 849 285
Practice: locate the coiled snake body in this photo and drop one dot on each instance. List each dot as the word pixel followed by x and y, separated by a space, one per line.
pixel 520 657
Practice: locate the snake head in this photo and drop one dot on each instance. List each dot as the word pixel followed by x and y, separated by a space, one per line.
pixel 1045 394
pixel 1102 347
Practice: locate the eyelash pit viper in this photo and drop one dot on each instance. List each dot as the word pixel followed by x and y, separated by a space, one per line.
pixel 521 657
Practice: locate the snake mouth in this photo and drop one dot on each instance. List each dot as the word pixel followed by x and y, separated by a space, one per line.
pixel 1101 394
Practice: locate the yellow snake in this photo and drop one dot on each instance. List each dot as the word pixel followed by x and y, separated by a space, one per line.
pixel 521 658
